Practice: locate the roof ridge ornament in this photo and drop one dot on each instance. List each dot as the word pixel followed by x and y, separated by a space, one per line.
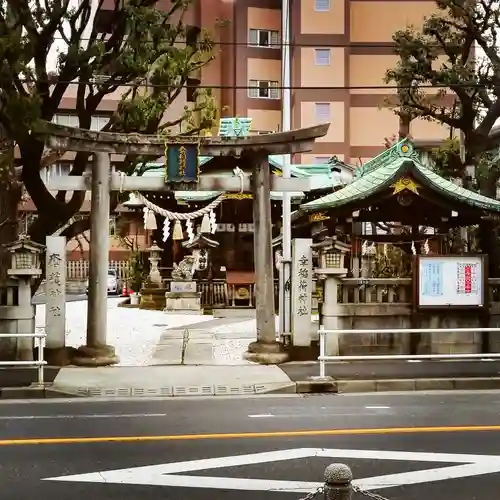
pixel 404 147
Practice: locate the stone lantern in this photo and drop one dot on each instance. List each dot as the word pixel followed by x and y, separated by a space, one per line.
pixel 153 292
pixel 331 254
pixel 154 259
pixel 25 258
pixel 24 267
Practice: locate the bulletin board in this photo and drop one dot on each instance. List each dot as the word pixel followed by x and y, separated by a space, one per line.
pixel 450 281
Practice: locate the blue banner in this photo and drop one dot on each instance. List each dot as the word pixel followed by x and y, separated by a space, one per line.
pixel 182 164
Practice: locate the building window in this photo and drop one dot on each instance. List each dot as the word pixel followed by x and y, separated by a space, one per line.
pixel 71 120
pixel 321 5
pixel 66 119
pixel 98 122
pixel 264 38
pixel 322 110
pixel 263 89
pixel 322 57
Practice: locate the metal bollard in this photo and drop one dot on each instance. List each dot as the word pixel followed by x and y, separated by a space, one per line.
pixel 338 478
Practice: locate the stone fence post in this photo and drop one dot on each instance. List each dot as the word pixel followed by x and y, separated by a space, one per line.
pixel 338 478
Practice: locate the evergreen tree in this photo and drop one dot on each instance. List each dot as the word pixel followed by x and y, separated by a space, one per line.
pixel 151 53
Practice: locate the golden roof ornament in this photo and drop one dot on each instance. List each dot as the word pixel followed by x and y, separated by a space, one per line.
pixel 403 184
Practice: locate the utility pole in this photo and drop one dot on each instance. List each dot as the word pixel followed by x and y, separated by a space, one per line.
pixel 285 272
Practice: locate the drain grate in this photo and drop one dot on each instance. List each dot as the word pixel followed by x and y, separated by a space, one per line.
pixel 178 390
pixel 260 388
pixel 228 390
pixel 193 390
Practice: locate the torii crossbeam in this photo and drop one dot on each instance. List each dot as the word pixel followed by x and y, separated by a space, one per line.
pixel 252 153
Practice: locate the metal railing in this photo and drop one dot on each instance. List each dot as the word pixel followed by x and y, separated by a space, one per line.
pixel 323 357
pixel 38 363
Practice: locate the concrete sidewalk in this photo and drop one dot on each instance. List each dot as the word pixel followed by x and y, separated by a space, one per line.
pixel 166 355
pixel 172 381
pixel 148 338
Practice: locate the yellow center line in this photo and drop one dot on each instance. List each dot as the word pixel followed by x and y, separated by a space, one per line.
pixel 247 435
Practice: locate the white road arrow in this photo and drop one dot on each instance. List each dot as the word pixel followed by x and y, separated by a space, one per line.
pixel 173 474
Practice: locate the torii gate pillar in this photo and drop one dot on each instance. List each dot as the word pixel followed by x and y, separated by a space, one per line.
pixel 266 350
pixel 96 352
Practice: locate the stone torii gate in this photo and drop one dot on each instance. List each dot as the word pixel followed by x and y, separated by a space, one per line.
pixel 250 153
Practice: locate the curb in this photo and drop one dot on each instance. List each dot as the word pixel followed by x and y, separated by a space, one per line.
pixel 313 386
pixel 393 385
pixel 34 392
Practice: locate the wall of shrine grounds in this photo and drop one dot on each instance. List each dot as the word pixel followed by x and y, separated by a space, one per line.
pixel 386 304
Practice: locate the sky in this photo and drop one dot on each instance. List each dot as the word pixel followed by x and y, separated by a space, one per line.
pixel 59 45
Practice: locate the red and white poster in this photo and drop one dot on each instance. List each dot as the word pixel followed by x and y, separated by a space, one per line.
pixel 467 278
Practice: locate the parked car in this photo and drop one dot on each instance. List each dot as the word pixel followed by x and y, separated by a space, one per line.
pixel 114 283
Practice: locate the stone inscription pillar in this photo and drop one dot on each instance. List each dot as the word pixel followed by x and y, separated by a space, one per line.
pixel 301 292
pixel 55 308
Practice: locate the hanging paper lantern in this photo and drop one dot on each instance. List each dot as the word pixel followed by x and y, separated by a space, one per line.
pixel 150 221
pixel 177 234
pixel 205 225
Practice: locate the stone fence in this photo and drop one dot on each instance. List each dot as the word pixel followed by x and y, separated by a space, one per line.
pixel 387 303
pixel 78 270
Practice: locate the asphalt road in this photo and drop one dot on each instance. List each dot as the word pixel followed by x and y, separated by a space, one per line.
pixel 274 447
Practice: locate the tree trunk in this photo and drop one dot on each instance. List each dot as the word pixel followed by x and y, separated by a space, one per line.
pixel 488 241
pixel 10 198
pixel 488 232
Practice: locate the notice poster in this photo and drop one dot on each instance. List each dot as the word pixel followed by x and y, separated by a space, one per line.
pixel 431 279
pixel 467 278
pixel 450 280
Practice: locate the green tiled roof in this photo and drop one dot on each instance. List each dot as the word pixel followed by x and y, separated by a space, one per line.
pixel 380 172
pixel 302 169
